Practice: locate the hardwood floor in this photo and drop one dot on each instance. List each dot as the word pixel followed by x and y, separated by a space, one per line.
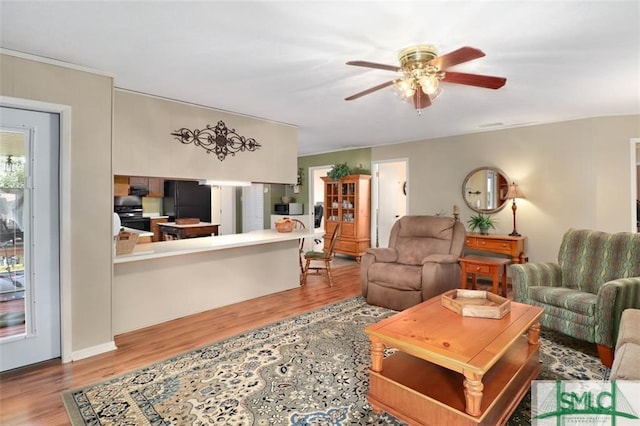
pixel 31 396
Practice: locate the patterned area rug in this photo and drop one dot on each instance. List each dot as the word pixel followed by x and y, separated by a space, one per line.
pixel 308 370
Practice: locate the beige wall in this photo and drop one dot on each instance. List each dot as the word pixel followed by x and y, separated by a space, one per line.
pixel 89 96
pixel 574 174
pixel 355 159
pixel 143 144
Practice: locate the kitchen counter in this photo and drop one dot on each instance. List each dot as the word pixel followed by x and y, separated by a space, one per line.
pixel 144 237
pixel 220 242
pixel 166 280
pixel 140 232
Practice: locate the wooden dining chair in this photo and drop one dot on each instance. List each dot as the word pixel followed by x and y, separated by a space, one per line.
pixel 298 224
pixel 323 258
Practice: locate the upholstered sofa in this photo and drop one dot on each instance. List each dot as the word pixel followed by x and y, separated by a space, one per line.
pixel 626 362
pixel 420 262
pixel 596 277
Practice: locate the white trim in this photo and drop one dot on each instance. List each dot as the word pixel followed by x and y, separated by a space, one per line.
pixel 162 98
pixel 93 351
pixel 635 159
pixel 65 208
pixel 312 190
pixel 55 62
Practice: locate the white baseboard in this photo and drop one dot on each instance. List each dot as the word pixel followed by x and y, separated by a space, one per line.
pixel 93 350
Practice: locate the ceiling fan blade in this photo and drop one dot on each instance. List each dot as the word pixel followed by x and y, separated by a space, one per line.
pixel 374 65
pixel 421 100
pixel 456 57
pixel 478 80
pixel 371 90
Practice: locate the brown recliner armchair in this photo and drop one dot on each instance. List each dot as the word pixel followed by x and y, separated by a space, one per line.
pixel 420 262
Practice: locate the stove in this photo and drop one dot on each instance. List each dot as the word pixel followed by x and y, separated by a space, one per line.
pixel 129 209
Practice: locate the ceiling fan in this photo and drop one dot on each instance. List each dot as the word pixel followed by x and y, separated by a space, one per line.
pixel 423 70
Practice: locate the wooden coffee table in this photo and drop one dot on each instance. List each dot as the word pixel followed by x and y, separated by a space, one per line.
pixel 450 369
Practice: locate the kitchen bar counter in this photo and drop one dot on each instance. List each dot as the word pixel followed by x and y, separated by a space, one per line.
pixel 143 236
pixel 220 242
pixel 166 280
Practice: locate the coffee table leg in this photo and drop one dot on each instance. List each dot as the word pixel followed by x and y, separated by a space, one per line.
pixel 473 393
pixel 377 352
pixel 534 333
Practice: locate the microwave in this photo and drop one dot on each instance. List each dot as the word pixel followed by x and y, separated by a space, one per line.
pixel 287 208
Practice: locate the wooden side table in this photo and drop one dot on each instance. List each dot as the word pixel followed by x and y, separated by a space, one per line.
pixel 495 267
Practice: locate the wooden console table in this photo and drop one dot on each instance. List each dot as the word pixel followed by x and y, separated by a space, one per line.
pixel 502 244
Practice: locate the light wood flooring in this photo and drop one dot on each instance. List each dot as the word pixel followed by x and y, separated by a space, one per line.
pixel 31 396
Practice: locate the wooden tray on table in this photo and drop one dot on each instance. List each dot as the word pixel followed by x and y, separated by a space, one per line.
pixel 476 303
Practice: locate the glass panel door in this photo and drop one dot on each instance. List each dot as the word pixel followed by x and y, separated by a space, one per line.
pixel 29 237
pixel 12 225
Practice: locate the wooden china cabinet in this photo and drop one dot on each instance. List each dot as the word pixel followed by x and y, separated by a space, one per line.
pixel 348 201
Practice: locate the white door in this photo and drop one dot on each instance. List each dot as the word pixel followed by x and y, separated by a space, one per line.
pixel 29 233
pixel 389 198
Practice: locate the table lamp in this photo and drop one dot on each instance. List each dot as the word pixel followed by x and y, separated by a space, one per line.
pixel 513 193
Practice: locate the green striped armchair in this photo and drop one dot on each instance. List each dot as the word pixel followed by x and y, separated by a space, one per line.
pixel 583 295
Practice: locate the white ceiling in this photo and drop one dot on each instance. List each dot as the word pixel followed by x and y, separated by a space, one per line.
pixel 285 61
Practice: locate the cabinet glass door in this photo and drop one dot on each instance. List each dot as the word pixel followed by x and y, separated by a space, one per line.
pixel 333 202
pixel 348 201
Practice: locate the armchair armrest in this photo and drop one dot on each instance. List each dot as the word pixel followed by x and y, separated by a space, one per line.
pixel 384 254
pixel 614 297
pixel 525 275
pixel 440 258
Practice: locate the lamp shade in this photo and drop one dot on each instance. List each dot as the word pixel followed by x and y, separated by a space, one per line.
pixel 514 192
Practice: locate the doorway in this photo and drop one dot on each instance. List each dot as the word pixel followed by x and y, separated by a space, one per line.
pixel 389 198
pixel 316 198
pixel 223 200
pixel 29 237
pixel 253 207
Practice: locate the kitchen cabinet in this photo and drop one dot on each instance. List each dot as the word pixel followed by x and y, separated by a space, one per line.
pixel 141 182
pixel 155 187
pixel 121 186
pixel 348 202
pixel 155 228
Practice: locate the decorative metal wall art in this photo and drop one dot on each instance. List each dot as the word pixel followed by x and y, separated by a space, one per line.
pixel 219 139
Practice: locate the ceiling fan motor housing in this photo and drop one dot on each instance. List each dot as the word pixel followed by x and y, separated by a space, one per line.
pixel 416 57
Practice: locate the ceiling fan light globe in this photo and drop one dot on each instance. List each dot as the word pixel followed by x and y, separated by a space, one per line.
pixel 405 88
pixel 429 85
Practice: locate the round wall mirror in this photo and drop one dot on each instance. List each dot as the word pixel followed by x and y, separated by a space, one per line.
pixel 485 189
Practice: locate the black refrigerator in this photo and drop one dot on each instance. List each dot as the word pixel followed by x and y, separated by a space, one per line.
pixel 187 199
